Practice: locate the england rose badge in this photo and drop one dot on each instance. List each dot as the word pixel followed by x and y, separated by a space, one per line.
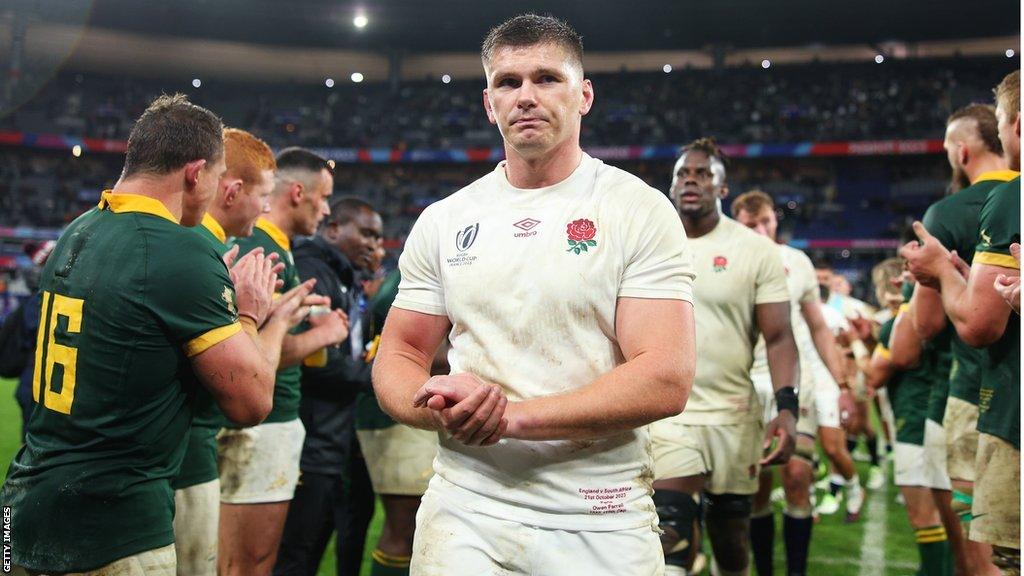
pixel 581 235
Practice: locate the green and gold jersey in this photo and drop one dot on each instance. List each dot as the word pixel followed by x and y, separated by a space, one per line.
pixel 954 223
pixel 999 402
pixel 286 389
pixel 199 464
pixel 128 296
pixel 909 392
pixel 369 415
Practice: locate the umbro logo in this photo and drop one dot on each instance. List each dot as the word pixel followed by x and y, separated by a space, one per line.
pixel 527 226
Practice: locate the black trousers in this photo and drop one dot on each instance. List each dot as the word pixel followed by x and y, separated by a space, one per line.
pixel 325 504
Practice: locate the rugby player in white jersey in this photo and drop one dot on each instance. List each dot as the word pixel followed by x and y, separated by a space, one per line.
pixel 821 377
pixel 718 444
pixel 565 288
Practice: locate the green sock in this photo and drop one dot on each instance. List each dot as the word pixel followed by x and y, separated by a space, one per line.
pixel 936 557
pixel 387 565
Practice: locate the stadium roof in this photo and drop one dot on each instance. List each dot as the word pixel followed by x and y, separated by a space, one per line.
pixel 459 25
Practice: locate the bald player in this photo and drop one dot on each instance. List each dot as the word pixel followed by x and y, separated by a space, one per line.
pixel 719 443
pixel 975 156
pixel 983 319
pixel 819 396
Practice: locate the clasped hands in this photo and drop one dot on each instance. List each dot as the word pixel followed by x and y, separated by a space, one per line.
pixel 471 410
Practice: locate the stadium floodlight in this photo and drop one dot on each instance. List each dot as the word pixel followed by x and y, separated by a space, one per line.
pixel 357 77
pixel 446 79
pixel 196 82
pixel 1010 52
pixel 666 68
pixel 879 59
pixel 329 82
pixel 360 21
pixel 766 63
pixel 76 150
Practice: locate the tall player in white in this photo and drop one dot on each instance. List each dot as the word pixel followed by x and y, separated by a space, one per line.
pixel 565 287
pixel 821 377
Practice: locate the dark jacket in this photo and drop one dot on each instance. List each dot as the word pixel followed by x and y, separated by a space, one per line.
pixel 329 393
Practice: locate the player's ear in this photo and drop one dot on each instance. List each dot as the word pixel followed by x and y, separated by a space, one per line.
pixel 233 189
pixel 723 192
pixel 192 171
pixel 487 107
pixel 296 193
pixel 963 154
pixel 588 97
pixel 1016 125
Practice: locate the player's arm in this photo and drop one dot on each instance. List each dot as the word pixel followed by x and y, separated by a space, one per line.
pixel 904 345
pixel 326 330
pixel 773 319
pixel 929 318
pixel 402 364
pixel 240 370
pixel 824 340
pixel 974 306
pixel 881 369
pixel 658 342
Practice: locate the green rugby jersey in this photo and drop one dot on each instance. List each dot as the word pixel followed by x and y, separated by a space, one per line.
pixel 286 389
pixel 369 415
pixel 954 223
pixel 199 464
pixel 909 392
pixel 128 296
pixel 999 401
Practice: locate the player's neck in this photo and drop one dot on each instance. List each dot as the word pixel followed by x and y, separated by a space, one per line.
pixel 546 170
pixel 164 189
pixel 983 164
pixel 701 225
pixel 282 219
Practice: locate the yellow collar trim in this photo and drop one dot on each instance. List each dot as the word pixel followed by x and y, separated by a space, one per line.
pixel 274 232
pixel 211 224
pixel 118 203
pixel 999 175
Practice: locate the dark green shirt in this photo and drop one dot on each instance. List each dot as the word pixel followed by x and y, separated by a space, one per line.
pixel 369 415
pixel 200 462
pixel 287 391
pixel 128 296
pixel 999 401
pixel 954 223
pixel 909 392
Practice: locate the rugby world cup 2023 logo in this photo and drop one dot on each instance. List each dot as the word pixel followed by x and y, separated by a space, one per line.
pixel 465 238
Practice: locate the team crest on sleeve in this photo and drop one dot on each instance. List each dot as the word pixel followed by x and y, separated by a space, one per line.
pixel 228 296
pixel 580 235
pixel 720 263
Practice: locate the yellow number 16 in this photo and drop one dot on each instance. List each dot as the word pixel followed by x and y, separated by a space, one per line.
pixel 66 356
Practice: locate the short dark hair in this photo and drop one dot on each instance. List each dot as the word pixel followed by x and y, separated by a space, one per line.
pixel 984 116
pixel 298 158
pixel 529 30
pixel 822 263
pixel 171 133
pixel 344 209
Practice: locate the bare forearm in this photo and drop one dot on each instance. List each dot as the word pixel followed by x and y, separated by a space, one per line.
pixel 396 378
pixel 905 343
pixel 296 347
pixel 648 388
pixel 954 298
pixel 927 312
pixel 783 360
pixel 825 343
